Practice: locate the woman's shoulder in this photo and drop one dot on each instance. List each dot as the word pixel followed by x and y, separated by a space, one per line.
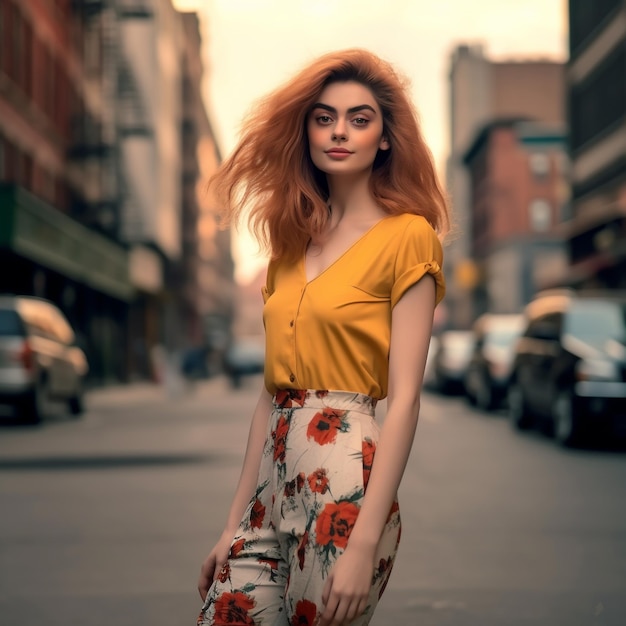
pixel 409 236
pixel 405 223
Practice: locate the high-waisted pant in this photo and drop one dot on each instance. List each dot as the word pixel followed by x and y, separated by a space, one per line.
pixel 313 475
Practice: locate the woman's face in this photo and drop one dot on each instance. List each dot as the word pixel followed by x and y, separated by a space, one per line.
pixel 345 129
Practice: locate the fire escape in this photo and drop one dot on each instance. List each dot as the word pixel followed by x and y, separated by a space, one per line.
pixel 97 142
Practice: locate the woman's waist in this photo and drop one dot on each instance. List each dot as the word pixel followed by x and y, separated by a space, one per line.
pixel 323 399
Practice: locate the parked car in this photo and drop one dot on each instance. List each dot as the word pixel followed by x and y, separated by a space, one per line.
pixel 244 357
pixel 451 358
pixel 489 370
pixel 39 361
pixel 569 372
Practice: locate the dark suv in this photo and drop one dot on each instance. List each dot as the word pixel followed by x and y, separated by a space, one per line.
pixel 39 360
pixel 569 371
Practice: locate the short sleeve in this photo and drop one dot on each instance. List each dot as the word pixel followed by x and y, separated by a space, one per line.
pixel 268 289
pixel 419 253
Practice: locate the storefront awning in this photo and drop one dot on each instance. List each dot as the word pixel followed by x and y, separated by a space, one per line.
pixel 35 230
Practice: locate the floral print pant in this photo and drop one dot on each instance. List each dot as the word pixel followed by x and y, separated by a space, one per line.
pixel 316 464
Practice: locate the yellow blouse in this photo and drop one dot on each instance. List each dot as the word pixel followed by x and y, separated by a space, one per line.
pixel 333 332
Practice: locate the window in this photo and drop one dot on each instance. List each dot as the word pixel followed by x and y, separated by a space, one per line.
pixel 9 171
pixel 540 215
pixel 546 327
pixel 15 51
pixel 3 172
pixel 586 16
pixel 4 35
pixel 600 101
pixel 539 163
pixel 598 322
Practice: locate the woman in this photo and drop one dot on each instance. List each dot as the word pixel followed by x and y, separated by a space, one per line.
pixel 342 190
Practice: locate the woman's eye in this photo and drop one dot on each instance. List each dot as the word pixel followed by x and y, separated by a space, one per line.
pixel 324 119
pixel 360 121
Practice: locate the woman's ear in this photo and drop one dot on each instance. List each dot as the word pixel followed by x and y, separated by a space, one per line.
pixel 384 144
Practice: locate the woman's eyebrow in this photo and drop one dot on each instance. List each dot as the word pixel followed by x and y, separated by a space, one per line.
pixel 360 107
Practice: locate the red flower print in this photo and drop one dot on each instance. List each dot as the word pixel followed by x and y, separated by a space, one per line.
pixel 300 481
pixel 318 481
pixel 369 449
pixel 257 514
pixel 290 489
pixel 304 542
pixel 273 563
pixel 236 548
pixel 224 574
pixel 305 613
pixel 232 608
pixel 384 565
pixel 280 439
pixel 335 523
pixel 321 393
pixel 323 427
pixel 286 398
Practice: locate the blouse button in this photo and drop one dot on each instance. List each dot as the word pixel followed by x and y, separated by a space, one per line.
pixel 292 378
pixel 291 323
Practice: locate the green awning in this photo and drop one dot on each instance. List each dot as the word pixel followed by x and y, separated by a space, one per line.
pixel 33 229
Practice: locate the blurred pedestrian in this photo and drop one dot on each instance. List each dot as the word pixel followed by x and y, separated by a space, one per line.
pixel 335 178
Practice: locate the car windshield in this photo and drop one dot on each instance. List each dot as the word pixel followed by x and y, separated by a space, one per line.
pixel 459 342
pixel 502 338
pixel 10 324
pixel 597 321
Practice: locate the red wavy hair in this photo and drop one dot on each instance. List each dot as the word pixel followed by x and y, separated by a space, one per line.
pixel 287 195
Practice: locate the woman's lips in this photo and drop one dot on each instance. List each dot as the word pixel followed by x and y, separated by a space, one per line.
pixel 338 153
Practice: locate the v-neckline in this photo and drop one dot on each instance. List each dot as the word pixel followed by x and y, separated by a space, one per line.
pixel 358 240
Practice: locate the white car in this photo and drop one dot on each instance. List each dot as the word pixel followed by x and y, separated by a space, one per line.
pixel 39 361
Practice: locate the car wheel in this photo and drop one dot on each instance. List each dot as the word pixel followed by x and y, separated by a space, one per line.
pixel 33 408
pixel 518 411
pixel 484 396
pixel 565 421
pixel 470 387
pixel 76 404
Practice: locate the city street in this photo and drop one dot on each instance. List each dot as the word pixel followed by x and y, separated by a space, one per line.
pixel 105 520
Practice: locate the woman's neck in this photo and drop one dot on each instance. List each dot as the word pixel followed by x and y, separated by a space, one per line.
pixel 352 199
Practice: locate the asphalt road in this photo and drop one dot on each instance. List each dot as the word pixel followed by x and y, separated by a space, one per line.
pixel 104 521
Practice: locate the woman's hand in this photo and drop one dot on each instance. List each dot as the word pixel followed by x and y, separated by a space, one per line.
pixel 214 563
pixel 347 589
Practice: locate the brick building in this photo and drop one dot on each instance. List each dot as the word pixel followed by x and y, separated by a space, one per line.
pixel 483 91
pixel 100 170
pixel 56 177
pixel 518 177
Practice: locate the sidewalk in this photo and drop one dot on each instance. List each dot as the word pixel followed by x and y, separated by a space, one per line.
pixel 150 393
pixel 139 422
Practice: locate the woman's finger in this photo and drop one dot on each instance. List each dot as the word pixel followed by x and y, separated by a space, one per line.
pixel 329 614
pixel 327 589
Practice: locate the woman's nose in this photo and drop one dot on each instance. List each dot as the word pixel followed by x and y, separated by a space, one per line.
pixel 339 132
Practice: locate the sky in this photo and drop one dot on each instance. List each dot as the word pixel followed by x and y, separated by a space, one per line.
pixel 253 46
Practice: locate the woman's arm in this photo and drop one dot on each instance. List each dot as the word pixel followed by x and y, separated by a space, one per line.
pixel 245 488
pixel 348 586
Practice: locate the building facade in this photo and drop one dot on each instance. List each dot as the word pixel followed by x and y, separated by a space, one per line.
pixel 57 189
pixel 481 92
pixel 207 291
pixel 518 178
pixel 95 209
pixel 596 82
